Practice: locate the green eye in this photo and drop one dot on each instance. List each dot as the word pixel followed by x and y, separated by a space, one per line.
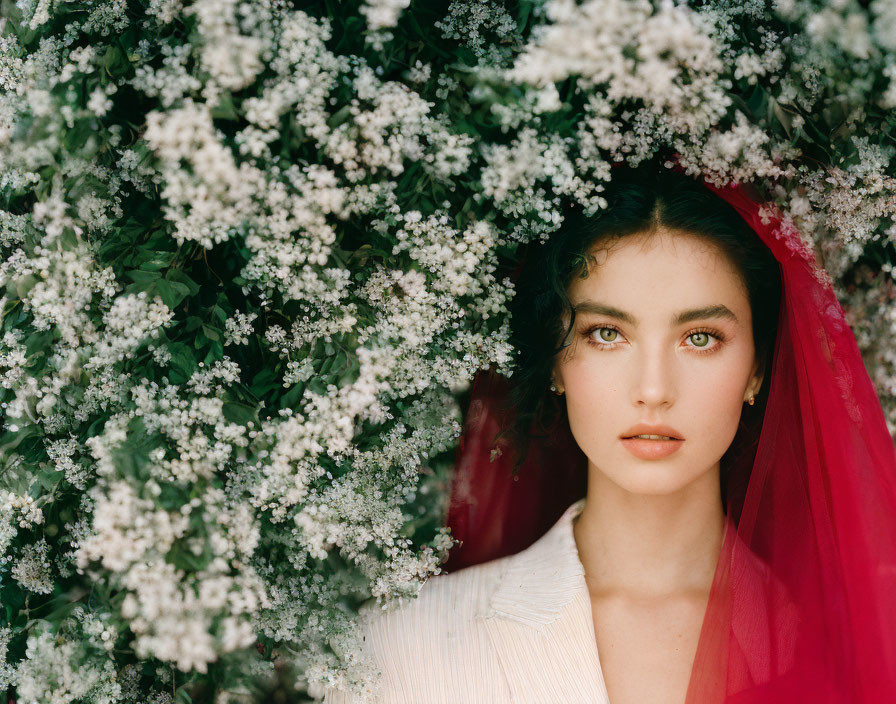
pixel 607 330
pixel 704 337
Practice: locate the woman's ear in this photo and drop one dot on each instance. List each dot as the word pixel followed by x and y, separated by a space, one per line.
pixel 556 381
pixel 757 377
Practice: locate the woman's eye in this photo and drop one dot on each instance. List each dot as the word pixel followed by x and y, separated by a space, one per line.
pixel 700 339
pixel 606 336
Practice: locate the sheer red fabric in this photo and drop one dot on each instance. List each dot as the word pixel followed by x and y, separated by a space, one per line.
pixel 803 602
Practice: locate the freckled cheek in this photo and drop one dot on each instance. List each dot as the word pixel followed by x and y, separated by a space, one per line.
pixel 714 401
pixel 721 390
pixel 593 392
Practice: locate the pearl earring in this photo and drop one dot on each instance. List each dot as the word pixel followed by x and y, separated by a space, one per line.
pixel 752 399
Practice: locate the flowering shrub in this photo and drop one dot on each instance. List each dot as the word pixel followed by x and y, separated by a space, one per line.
pixel 253 255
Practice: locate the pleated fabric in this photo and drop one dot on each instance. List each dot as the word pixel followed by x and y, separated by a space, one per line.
pixel 515 629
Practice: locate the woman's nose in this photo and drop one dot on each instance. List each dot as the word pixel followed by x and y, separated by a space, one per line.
pixel 652 381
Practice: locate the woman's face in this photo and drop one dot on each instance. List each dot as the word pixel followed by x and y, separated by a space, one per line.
pixel 642 362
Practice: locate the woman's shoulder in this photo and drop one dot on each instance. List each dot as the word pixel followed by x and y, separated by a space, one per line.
pixel 428 646
pixel 444 603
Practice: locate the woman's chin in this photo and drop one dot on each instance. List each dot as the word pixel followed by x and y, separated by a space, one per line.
pixel 653 479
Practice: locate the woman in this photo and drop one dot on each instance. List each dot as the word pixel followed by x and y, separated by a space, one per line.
pixel 748 554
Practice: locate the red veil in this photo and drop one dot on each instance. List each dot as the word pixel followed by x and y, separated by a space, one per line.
pixel 813 499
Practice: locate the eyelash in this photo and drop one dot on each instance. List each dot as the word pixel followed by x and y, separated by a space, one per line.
pixel 611 345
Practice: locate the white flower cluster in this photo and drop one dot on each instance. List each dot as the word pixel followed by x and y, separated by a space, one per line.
pixel 36 12
pixel 872 319
pixel 753 65
pixel 7 532
pixel 188 620
pixel 32 569
pixel 96 628
pixel 164 11
pixel 7 672
pixel 433 424
pixel 359 511
pixel 666 61
pixel 207 201
pixel 100 103
pixel 126 528
pixel 455 260
pixel 12 358
pixel 238 328
pixel 383 13
pixel 848 31
pixel 55 671
pixel 411 318
pixel 20 510
pixel 305 332
pixel 662 58
pixel 532 175
pixel 169 82
pixel 129 322
pixel 883 28
pixel 397 128
pixel 231 59
pixel 472 20
pixel 291 248
pixel 739 153
pixel 62 453
pixel 64 290
pixel 306 71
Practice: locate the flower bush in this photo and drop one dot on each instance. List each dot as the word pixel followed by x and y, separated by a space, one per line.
pixel 254 253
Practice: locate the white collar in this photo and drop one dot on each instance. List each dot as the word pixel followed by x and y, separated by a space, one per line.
pixel 543 578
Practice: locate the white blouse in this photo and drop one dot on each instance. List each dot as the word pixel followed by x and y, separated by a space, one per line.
pixel 516 629
pixel 519 629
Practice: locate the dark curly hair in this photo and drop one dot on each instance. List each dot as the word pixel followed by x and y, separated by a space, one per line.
pixel 639 200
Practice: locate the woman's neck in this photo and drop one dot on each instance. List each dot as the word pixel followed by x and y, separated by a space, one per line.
pixel 646 546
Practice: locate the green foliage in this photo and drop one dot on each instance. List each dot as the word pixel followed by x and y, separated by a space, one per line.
pixel 238 309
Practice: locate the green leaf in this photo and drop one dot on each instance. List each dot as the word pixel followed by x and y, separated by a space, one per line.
pixel 756 101
pixel 63 607
pixel 291 398
pixel 172 292
pixel 219 313
pixel 13 599
pixel 263 378
pixel 75 137
pixel 47 479
pixel 112 58
pixel 182 363
pixel 225 109
pixel 179 276
pixel 143 279
pixel 161 260
pixel 240 413
pixel 184 559
pixel 340 116
pixel 14 439
pixel 215 353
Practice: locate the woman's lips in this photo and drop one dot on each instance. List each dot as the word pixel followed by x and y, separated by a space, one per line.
pixel 651 449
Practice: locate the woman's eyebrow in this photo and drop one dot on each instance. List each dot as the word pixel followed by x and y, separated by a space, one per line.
pixel 685 316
